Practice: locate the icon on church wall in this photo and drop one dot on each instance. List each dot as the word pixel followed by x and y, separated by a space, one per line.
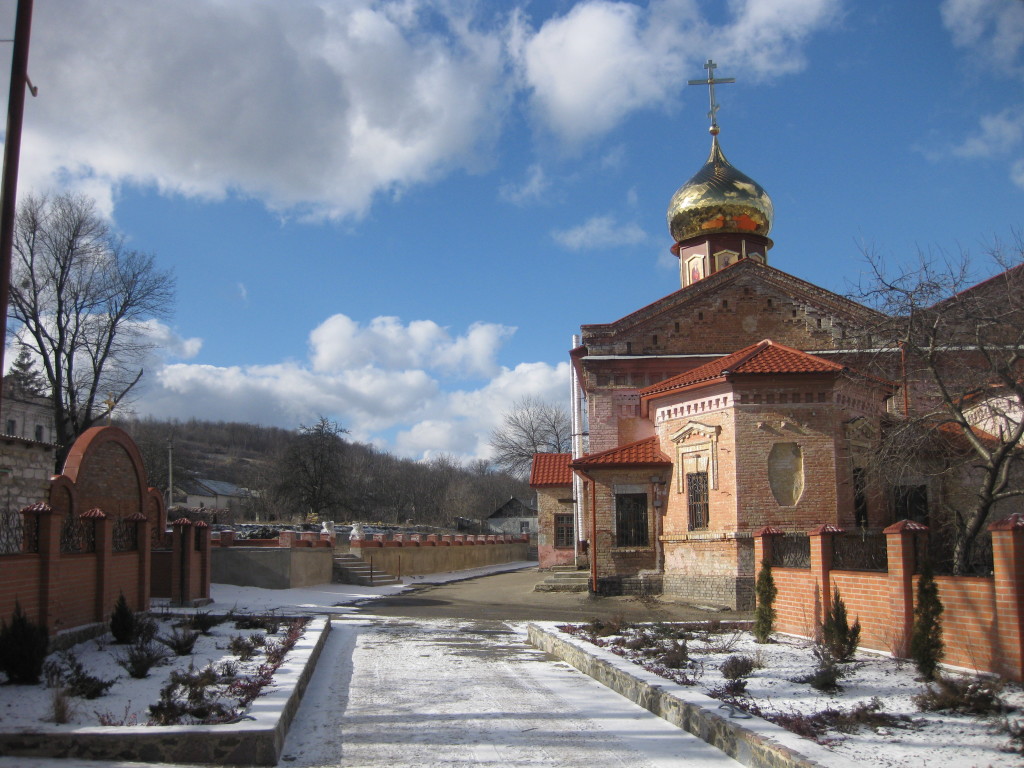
pixel 696 269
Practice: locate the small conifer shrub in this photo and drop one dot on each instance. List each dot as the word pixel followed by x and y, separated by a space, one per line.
pixel 23 647
pixel 764 614
pixel 926 635
pixel 122 622
pixel 837 635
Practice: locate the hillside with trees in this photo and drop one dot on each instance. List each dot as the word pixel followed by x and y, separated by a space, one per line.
pixel 315 470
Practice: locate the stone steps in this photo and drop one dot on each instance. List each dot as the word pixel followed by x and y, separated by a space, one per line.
pixel 565 578
pixel 351 569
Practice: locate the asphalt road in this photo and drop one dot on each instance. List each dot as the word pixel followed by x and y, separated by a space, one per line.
pixel 510 597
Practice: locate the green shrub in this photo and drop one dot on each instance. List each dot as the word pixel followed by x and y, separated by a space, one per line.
pixel 836 633
pixel 764 613
pixel 122 622
pixel 926 646
pixel 180 641
pixel 23 648
pixel 140 658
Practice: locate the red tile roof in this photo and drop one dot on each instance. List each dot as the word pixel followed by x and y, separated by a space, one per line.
pixel 765 357
pixel 550 469
pixel 641 453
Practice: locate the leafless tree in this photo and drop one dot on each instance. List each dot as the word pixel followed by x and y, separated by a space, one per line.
pixel 531 426
pixel 312 469
pixel 79 301
pixel 958 416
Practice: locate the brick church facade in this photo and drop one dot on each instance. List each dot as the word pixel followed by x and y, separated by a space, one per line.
pixel 742 399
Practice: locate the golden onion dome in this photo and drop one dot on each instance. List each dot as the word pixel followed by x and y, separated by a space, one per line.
pixel 719 199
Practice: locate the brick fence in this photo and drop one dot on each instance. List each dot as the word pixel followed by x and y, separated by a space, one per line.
pixel 417 554
pixel 983 621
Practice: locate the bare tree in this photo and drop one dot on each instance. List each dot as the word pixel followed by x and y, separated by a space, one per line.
pixel 531 426
pixel 312 469
pixel 958 417
pixel 79 300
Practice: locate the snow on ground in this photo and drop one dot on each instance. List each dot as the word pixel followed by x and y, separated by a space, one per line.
pixel 955 741
pixel 452 692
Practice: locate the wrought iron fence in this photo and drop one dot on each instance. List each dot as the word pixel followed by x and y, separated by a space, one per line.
pixel 859 552
pixel 125 535
pixel 937 547
pixel 77 535
pixel 793 550
pixel 13 538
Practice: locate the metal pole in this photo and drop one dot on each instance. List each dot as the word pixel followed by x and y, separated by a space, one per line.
pixel 12 154
pixel 170 472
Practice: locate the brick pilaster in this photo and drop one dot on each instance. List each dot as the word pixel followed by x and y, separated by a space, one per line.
pixel 900 551
pixel 821 568
pixel 1008 556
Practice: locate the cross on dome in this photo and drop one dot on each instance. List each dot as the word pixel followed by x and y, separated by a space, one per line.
pixel 711 82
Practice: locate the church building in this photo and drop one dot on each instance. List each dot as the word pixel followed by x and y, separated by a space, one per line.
pixel 732 403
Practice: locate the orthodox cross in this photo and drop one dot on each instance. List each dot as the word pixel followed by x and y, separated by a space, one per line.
pixel 711 82
pixel 111 403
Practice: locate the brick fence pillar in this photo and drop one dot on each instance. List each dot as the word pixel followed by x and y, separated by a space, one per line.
pixel 183 552
pixel 47 523
pixel 764 543
pixel 900 539
pixel 144 552
pixel 821 568
pixel 202 547
pixel 103 540
pixel 1008 556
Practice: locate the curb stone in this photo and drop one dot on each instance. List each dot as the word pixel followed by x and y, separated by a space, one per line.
pixel 758 744
pixel 258 739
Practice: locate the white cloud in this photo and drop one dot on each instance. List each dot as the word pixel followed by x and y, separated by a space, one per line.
pixel 340 342
pixel 531 189
pixel 312 108
pixel 599 232
pixel 998 134
pixel 417 404
pixel 993 35
pixel 993 29
pixel 587 70
pixel 167 342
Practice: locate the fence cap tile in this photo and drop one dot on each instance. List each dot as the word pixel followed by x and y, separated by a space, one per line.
pixel 1014 522
pixel 136 517
pixel 182 521
pixel 94 514
pixel 825 528
pixel 35 509
pixel 201 524
pixel 905 525
pixel 768 530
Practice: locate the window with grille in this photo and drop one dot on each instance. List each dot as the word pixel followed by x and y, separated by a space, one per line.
pixel 697 499
pixel 563 531
pixel 631 520
pixel 910 502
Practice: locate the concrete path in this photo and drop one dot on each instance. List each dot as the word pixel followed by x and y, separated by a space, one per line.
pixel 461 693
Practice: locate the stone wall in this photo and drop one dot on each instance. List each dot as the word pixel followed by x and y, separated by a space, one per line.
pixel 272 567
pixel 441 554
pixel 25 470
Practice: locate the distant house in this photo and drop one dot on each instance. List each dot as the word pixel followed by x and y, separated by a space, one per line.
pixel 214 494
pixel 514 516
pixel 29 417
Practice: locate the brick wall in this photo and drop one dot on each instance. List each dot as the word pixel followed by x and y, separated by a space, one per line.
pixel 550 503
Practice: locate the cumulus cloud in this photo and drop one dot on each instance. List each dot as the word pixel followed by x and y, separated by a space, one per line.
pixel 998 134
pixel 599 232
pixel 166 341
pixel 340 342
pixel 402 386
pixel 312 108
pixel 590 68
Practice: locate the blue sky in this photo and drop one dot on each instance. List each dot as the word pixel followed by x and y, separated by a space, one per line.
pixel 397 213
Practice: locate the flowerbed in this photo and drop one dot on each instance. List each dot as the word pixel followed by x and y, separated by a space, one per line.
pixel 878 713
pixel 175 669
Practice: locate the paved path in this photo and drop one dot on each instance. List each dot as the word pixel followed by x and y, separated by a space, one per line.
pixel 462 693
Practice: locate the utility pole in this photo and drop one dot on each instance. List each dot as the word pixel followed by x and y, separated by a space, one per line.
pixel 12 155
